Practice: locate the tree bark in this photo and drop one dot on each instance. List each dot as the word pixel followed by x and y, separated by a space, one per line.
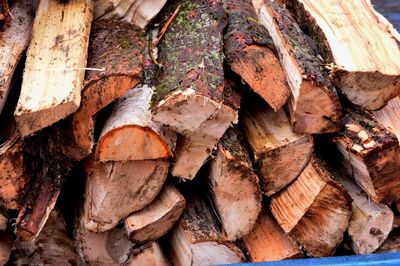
pixel 268 242
pixel 280 153
pixel 234 186
pixel 250 52
pixel 116 189
pixel 362 47
pixel 317 221
pixel 130 134
pixel 54 54
pixel 314 106
pixel 157 218
pixel 370 154
pixel 116 48
pixel 14 38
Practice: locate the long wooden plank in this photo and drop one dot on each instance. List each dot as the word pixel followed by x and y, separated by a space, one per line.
pixel 361 45
pixel 53 77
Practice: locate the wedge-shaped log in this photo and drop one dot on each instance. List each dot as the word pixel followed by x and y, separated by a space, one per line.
pixel 389 116
pixel 156 219
pixel 57 52
pixel 371 155
pixel 268 242
pixel 137 12
pixel 198 240
pixel 130 134
pixel 193 99
pixel 151 254
pixel 116 48
pixel 280 153
pixel 365 55
pixel 14 38
pixel 250 53
pixel 103 249
pixel 315 209
pixel 370 223
pixel 313 106
pixel 234 186
pixel 116 189
pixel 51 247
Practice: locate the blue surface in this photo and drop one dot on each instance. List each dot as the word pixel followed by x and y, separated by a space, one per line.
pixel 383 259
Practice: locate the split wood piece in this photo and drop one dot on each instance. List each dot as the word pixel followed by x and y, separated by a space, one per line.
pixel 191 89
pixel 315 209
pixel 389 116
pixel 14 38
pixel 102 249
pixel 157 218
pixel 250 53
pixel 137 12
pixel 57 52
pixel 151 254
pixel 116 189
pixel 13 179
pixel 46 166
pixel 392 243
pixel 268 242
pixel 116 48
pixel 51 247
pixel 198 240
pixel 370 154
pixel 3 222
pixel 313 106
pixel 280 153
pixel 370 223
pixel 365 56
pixel 234 186
pixel 130 134
pixel 6 246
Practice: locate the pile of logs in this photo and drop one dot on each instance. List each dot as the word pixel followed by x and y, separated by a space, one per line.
pixel 197 132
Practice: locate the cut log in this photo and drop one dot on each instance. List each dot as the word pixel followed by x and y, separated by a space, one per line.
pixel 313 106
pixel 365 55
pixel 370 154
pixel 189 95
pixel 250 53
pixel 46 166
pixel 148 255
pixel 116 48
pixel 13 178
pixel 389 116
pixel 102 249
pixel 370 223
pixel 51 247
pixel 315 209
pixel 198 240
pixel 280 153
pixel 130 134
pixel 234 186
pixel 157 218
pixel 392 243
pixel 138 12
pixel 14 39
pixel 116 189
pixel 6 246
pixel 57 51
pixel 268 242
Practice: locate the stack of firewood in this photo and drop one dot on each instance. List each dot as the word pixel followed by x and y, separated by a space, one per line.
pixel 197 132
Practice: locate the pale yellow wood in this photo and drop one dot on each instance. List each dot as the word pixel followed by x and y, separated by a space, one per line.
pixel 389 116
pixel 361 44
pixel 53 77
